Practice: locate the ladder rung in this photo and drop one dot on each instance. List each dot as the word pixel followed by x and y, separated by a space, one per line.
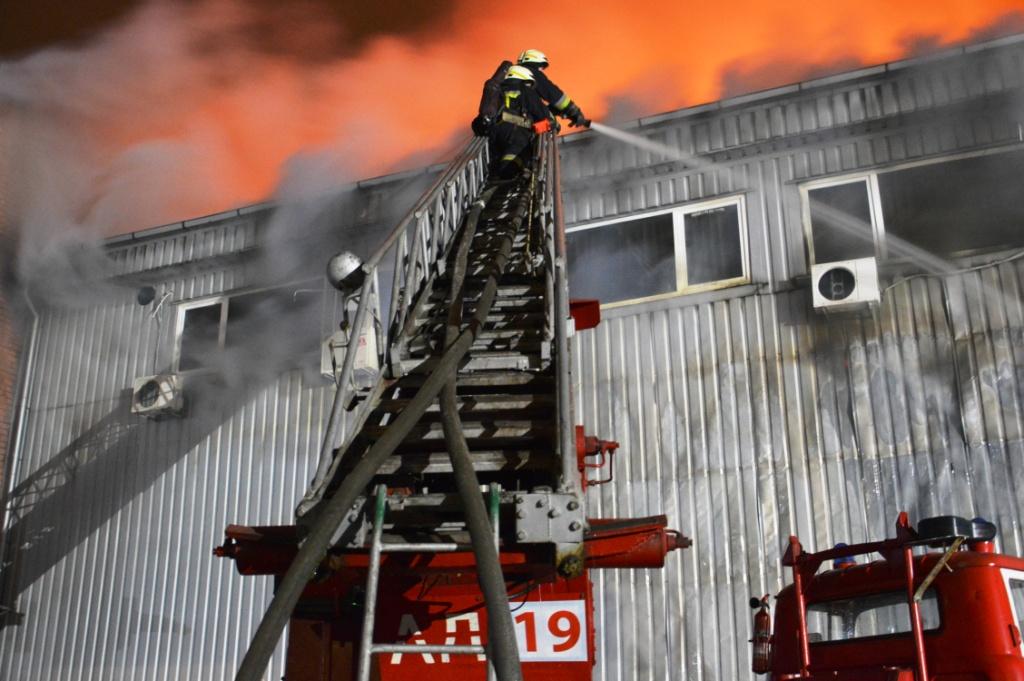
pixel 436 649
pixel 433 547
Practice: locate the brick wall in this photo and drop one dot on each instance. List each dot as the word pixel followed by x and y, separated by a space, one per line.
pixel 9 341
pixel 8 376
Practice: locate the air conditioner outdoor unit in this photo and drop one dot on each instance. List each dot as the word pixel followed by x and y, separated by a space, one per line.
pixel 159 395
pixel 844 285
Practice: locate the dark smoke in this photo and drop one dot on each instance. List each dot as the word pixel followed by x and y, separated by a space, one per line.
pixel 313 30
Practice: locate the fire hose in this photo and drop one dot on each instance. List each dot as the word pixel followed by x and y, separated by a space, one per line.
pixel 317 542
pixel 501 637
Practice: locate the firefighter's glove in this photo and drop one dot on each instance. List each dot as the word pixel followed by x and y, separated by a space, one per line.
pixel 482 126
pixel 575 116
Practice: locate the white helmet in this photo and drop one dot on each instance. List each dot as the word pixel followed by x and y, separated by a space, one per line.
pixel 533 57
pixel 519 73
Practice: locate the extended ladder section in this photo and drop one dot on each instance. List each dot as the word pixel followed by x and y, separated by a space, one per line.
pixel 506 384
pixel 509 381
pixel 453 404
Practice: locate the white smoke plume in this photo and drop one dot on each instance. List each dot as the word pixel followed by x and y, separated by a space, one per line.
pixel 175 113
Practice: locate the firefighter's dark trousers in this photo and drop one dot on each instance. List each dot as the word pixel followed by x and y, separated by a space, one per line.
pixel 511 149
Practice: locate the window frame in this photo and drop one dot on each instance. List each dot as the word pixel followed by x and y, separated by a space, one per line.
pixel 306 285
pixel 679 214
pixel 870 178
pixel 874 195
pixel 1009 575
pixel 179 327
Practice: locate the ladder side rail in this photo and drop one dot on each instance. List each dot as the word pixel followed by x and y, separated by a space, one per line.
pixel 400 321
pixel 439 224
pixel 452 214
pixel 397 281
pixel 439 230
pixel 372 581
pixel 548 253
pixel 570 481
pixel 419 220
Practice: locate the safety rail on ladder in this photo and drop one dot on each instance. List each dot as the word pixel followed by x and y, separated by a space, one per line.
pixel 414 253
pixel 557 274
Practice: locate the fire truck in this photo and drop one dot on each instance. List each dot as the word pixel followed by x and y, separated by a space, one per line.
pixel 940 605
pixel 445 534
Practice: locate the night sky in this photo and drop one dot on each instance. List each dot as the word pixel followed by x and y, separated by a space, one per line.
pixel 29 26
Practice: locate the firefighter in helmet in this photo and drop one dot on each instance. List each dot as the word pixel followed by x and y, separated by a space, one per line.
pixel 522 116
pixel 559 102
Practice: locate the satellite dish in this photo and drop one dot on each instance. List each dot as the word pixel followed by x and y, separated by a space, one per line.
pixel 145 295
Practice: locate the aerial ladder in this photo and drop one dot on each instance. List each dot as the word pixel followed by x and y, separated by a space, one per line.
pixel 445 533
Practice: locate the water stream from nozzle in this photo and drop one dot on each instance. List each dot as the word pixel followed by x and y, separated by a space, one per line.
pixel 647 144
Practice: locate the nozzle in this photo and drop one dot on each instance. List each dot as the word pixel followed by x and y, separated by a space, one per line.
pixel 678 540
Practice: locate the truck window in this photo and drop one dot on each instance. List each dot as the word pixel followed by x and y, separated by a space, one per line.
pixel 1017 596
pixel 871 615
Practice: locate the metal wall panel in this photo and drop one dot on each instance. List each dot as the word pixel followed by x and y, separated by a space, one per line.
pixel 185 246
pixel 114 516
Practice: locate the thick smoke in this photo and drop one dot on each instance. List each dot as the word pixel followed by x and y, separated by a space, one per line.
pixel 174 113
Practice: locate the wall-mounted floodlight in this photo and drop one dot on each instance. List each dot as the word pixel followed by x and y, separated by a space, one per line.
pixel 345 272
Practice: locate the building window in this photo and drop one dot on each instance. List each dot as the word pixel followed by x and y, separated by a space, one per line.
pixel 282 323
pixel 713 245
pixel 632 259
pixel 200 333
pixel 281 326
pixel 843 218
pixel 949 208
pixel 685 250
pixel 956 207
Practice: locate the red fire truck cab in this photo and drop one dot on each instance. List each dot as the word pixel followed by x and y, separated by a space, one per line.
pixel 940 605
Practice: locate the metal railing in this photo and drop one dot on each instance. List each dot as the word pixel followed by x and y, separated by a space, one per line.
pixel 409 259
pixel 557 290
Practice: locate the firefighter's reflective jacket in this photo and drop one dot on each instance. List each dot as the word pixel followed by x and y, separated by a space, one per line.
pixel 520 104
pixel 522 114
pixel 558 101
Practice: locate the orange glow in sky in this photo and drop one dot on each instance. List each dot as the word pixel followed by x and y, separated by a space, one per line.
pixel 177 132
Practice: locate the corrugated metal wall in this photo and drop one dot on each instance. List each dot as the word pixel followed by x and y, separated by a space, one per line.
pixel 741 413
pixel 746 416
pixel 750 419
